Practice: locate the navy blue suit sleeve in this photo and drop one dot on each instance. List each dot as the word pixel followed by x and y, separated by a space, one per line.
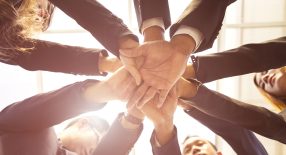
pixel 242 141
pixel 95 18
pixel 54 57
pixel 205 16
pixel 118 140
pixel 146 9
pixel 254 118
pixel 171 148
pixel 255 57
pixel 47 109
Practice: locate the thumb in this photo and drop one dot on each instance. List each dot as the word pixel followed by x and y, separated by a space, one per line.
pixel 134 73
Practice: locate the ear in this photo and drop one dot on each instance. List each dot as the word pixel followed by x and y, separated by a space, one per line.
pixel 219 153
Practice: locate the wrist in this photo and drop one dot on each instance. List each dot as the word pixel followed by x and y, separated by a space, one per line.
pixel 184 43
pixel 130 122
pixel 164 134
pixel 189 72
pixel 188 89
pixel 153 33
pixel 126 42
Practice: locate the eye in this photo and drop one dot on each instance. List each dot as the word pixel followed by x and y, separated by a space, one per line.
pixel 262 85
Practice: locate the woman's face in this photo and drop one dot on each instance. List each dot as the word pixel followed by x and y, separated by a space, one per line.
pixel 272 81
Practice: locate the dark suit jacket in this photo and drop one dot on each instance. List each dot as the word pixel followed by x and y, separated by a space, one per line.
pixel 241 140
pixel 249 58
pixel 54 57
pixel 206 16
pixel 146 9
pixel 242 60
pixel 49 56
pixel 26 127
pixel 95 18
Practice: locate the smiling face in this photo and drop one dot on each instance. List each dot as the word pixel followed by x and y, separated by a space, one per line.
pixel 272 81
pixel 80 137
pixel 198 146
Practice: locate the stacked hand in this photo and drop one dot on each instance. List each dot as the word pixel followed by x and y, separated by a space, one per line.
pixel 160 64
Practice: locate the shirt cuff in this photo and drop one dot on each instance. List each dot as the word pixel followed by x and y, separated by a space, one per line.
pixel 193 32
pixel 158 21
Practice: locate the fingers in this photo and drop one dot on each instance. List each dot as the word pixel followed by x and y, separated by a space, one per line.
pixel 135 74
pixel 138 94
pixel 131 66
pixel 151 92
pixel 162 97
pixel 128 91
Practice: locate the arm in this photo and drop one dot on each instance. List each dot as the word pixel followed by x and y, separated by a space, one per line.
pixel 257 119
pixel 120 138
pixel 164 137
pixel 49 56
pixel 100 22
pixel 242 60
pixel 48 109
pixel 206 16
pixel 148 9
pixel 172 146
pixel 241 140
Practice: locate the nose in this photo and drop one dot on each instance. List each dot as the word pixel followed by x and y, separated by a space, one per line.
pixel 265 78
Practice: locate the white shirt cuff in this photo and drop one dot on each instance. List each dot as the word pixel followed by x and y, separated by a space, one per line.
pixel 193 32
pixel 158 21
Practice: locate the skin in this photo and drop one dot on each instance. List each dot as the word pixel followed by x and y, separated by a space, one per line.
pixel 80 138
pixel 272 81
pixel 198 146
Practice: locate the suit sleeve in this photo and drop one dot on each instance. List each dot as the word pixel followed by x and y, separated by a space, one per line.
pixel 118 139
pixel 242 60
pixel 147 9
pixel 254 118
pixel 95 18
pixel 205 16
pixel 54 57
pixel 171 148
pixel 241 140
pixel 47 109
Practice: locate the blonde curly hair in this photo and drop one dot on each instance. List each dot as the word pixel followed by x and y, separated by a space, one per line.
pixel 19 22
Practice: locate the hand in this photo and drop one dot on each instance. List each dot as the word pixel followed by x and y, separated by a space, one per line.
pixel 186 89
pixel 189 72
pixel 162 117
pixel 119 86
pixel 109 64
pixel 163 65
pixel 130 63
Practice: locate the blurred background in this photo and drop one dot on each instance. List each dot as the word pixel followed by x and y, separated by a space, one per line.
pixel 246 21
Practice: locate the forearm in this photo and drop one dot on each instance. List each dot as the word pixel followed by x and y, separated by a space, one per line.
pixel 185 43
pixel 171 147
pixel 153 33
pixel 119 140
pixel 47 109
pixel 242 60
pixel 232 134
pixel 95 18
pixel 164 132
pixel 64 58
pixel 147 9
pixel 240 113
